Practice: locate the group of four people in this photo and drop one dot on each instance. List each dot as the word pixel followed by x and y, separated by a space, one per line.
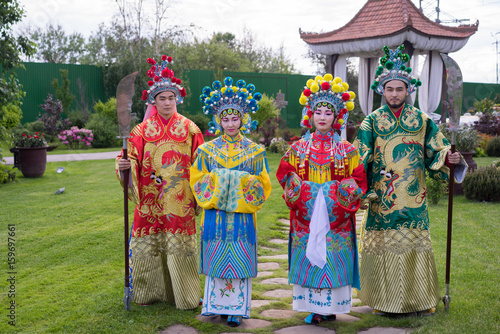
pixel 325 180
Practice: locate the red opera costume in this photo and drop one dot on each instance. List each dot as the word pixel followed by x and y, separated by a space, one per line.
pixel 163 247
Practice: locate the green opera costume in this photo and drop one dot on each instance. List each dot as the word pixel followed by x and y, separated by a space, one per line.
pixel 398 273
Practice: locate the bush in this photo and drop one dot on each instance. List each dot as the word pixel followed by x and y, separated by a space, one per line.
pixel 36 126
pixel 267 110
pixel 488 124
pixel 279 146
pixel 493 147
pixel 201 120
pixel 436 189
pixel 466 139
pixel 51 118
pixel 12 115
pixel 76 138
pixel 268 131
pixel 107 109
pixel 483 184
pixel 7 174
pixel 485 105
pixel 104 131
pixel 77 118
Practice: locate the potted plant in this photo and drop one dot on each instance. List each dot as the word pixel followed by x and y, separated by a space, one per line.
pixel 466 140
pixel 32 154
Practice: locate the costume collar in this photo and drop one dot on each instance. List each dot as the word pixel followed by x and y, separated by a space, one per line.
pixel 318 135
pixel 397 113
pixel 236 138
pixel 176 127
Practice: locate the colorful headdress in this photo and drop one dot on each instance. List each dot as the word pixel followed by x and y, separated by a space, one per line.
pixel 392 67
pixel 329 91
pixel 162 80
pixel 237 100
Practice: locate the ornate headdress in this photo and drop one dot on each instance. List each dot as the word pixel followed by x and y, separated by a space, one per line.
pixel 162 80
pixel 237 100
pixel 329 91
pixel 392 67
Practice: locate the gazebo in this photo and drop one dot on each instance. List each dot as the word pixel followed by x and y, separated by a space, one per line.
pixel 391 23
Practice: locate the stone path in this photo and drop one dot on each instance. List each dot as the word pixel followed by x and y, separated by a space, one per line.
pixel 279 291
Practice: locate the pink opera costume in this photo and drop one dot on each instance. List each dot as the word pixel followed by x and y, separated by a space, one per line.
pixel 163 252
pixel 323 180
pixel 230 182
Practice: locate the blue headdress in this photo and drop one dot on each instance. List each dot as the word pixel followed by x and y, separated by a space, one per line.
pixel 392 67
pixel 237 100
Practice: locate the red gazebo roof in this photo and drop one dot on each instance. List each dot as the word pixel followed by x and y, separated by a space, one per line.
pixel 386 18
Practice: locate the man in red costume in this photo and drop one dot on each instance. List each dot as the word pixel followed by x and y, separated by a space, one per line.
pixel 163 251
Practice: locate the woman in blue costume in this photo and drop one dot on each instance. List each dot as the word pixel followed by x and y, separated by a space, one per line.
pixel 230 182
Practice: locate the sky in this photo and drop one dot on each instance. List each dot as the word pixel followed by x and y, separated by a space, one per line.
pixel 276 22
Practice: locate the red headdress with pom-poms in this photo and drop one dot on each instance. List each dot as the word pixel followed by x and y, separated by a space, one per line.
pixel 162 80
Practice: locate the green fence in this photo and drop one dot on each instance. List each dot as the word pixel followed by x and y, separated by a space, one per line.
pixel 478 91
pixel 86 84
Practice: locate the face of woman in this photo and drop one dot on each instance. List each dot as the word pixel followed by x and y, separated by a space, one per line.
pixel 323 119
pixel 231 125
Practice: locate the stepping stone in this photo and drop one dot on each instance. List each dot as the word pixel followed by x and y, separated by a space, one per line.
pixel 284 221
pixel 356 300
pixel 277 280
pixel 386 330
pixel 179 329
pixel 268 266
pixel 277 257
pixel 268 248
pixel 346 318
pixel 278 241
pixel 362 309
pixel 279 314
pixel 278 293
pixel 245 323
pixel 304 329
pixel 260 302
pixel 264 273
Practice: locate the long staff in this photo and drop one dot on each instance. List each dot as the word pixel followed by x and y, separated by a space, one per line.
pixel 453 104
pixel 447 298
pixel 124 94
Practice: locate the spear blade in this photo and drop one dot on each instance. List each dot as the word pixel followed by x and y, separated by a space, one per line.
pixel 124 95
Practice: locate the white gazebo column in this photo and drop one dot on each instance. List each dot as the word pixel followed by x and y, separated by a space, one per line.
pixel 367 69
pixel 429 94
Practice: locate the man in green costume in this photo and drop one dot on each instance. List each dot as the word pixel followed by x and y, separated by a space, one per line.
pixel 398 143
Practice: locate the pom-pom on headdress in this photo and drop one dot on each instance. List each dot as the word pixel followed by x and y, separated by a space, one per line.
pixel 392 67
pixel 326 90
pixel 162 80
pixel 225 99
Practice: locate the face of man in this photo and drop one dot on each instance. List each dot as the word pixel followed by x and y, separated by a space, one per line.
pixel 231 125
pixel 395 93
pixel 323 119
pixel 165 104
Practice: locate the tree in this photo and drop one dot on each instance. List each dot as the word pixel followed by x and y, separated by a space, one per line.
pixel 63 93
pixel 55 46
pixel 11 50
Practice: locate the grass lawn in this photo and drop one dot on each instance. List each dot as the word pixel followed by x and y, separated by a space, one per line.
pixel 69 261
